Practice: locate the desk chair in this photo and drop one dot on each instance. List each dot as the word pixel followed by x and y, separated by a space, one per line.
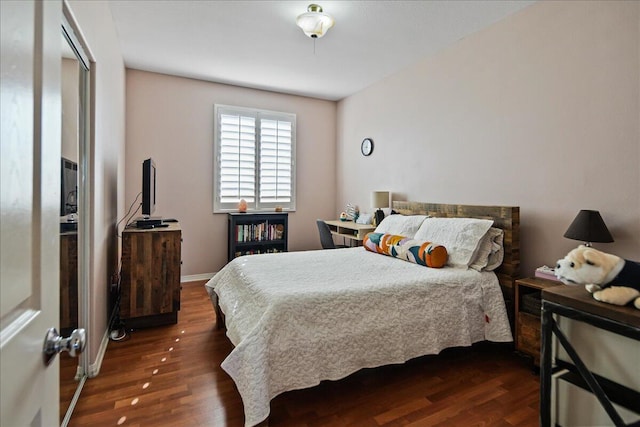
pixel 326 239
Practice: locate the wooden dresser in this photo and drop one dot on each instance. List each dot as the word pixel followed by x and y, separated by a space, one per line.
pixel 68 282
pixel 150 276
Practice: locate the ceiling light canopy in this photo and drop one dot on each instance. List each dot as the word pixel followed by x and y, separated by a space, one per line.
pixel 314 22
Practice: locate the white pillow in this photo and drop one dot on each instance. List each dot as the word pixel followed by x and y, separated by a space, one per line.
pixel 489 249
pixel 496 256
pixel 400 225
pixel 461 237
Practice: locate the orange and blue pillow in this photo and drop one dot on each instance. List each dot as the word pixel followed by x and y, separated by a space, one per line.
pixel 416 251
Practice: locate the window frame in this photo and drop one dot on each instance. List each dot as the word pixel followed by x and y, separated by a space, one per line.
pixel 258 115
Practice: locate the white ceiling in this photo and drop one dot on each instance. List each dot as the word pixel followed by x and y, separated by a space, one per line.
pixel 257 43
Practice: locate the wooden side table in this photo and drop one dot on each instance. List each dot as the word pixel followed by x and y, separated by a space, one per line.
pixel 527 314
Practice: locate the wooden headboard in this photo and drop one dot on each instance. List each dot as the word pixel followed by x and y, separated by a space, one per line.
pixel 505 217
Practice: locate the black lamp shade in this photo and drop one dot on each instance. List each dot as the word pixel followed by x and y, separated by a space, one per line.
pixel 588 227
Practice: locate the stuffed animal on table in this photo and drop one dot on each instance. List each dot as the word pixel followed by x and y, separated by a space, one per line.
pixel 607 277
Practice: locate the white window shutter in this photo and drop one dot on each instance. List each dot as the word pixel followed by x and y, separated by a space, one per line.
pixel 254 159
pixel 276 161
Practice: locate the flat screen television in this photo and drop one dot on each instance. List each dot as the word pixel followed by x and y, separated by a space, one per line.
pixel 148 188
pixel 69 187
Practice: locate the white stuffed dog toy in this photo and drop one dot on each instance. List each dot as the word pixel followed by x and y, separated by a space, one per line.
pixel 599 272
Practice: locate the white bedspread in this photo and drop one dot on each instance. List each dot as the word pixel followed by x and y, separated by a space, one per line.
pixel 297 318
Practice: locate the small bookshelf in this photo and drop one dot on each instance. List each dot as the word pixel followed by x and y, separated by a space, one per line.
pixel 257 233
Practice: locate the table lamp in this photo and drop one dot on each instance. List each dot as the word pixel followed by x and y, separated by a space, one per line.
pixel 379 200
pixel 588 227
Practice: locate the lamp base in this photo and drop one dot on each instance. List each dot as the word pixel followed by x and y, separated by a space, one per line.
pixel 379 216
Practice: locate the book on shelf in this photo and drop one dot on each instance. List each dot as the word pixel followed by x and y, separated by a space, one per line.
pixel 259 232
pixel 257 251
pixel 546 272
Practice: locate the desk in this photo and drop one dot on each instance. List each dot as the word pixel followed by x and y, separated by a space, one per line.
pixel 350 230
pixel 575 303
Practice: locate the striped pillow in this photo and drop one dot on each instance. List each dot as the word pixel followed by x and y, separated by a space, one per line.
pixel 416 251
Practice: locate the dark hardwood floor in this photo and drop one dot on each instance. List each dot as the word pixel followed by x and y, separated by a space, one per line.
pixel 171 376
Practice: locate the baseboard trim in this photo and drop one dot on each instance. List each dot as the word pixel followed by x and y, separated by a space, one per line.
pixel 94 368
pixel 196 277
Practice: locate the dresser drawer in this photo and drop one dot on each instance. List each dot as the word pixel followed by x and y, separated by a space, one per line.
pixel 529 334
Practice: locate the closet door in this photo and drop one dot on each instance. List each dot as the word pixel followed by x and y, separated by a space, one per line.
pixel 29 209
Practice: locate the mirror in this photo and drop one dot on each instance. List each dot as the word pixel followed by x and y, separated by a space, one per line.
pixel 73 202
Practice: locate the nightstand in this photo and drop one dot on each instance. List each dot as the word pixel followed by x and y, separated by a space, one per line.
pixel 527 314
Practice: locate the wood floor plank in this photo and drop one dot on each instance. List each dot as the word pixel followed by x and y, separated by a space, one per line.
pixel 171 376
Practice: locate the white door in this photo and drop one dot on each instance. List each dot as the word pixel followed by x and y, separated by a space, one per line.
pixel 29 209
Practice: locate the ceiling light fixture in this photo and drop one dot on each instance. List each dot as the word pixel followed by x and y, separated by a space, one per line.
pixel 314 22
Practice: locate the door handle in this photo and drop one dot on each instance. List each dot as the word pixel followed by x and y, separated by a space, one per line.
pixel 54 344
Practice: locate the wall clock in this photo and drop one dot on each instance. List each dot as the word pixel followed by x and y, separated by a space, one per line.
pixel 366 147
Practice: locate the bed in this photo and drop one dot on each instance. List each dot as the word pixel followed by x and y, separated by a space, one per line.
pixel 299 318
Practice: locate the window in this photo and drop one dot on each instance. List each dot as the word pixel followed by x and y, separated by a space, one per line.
pixel 254 159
